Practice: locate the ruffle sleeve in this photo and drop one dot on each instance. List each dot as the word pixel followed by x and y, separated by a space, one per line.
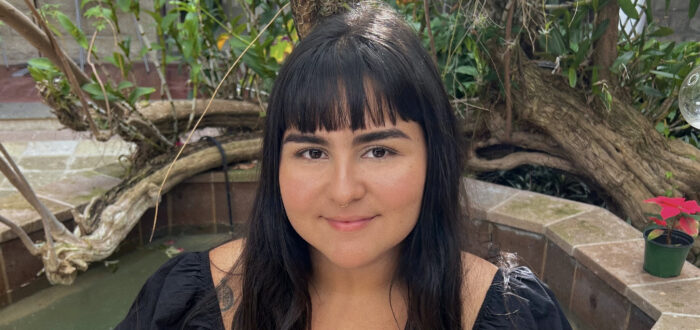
pixel 518 300
pixel 170 296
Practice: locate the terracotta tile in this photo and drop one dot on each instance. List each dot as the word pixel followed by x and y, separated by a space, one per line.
pixel 639 320
pixel 595 226
pixel 529 247
pixel 677 322
pixel 533 212
pixel 478 237
pixel 620 264
pixel 597 303
pixel 482 196
pixel 192 203
pixel 242 198
pixel 78 188
pixel 680 296
pixel 20 266
pixel 559 272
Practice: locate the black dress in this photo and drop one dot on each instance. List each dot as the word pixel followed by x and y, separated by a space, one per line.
pixel 515 300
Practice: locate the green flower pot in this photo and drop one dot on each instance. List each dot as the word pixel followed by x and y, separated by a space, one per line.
pixel 664 260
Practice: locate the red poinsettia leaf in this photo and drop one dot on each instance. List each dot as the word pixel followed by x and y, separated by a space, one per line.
pixel 669 211
pixel 654 234
pixel 666 201
pixel 659 221
pixel 688 225
pixel 690 207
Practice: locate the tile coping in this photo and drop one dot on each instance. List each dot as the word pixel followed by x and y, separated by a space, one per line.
pixel 63 207
pixel 500 214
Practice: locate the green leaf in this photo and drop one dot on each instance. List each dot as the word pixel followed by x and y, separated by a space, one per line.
pixel 654 234
pixel 556 44
pixel 41 63
pixel 124 5
pixel 73 30
pixel 693 8
pixel 139 92
pixel 665 74
pixel 93 89
pixel 628 8
pixel 125 84
pixel 600 29
pixel 661 32
pixel 572 77
pixel 467 69
pixel 669 174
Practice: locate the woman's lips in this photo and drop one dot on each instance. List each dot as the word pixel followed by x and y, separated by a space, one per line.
pixel 349 224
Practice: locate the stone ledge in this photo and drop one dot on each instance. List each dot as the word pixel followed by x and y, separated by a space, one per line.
pixel 59 197
pixel 597 242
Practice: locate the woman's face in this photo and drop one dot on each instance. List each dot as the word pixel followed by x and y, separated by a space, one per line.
pixel 354 195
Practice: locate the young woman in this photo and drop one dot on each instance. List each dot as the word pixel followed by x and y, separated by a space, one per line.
pixel 356 220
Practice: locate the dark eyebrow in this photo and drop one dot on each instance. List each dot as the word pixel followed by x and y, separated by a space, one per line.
pixel 391 133
pixel 305 138
pixel 360 139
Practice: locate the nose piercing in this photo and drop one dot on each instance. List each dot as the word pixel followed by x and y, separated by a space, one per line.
pixel 344 205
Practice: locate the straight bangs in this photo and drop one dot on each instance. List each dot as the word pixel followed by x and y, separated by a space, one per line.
pixel 345 84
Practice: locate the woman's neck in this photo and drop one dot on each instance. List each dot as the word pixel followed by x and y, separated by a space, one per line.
pixel 370 279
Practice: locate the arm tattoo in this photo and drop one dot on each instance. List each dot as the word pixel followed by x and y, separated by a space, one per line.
pixel 225 296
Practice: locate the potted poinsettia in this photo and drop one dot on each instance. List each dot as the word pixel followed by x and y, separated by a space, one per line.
pixel 670 239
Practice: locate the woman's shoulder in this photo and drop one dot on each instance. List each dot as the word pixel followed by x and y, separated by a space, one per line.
pixel 225 256
pixel 478 275
pixel 516 298
pixel 185 276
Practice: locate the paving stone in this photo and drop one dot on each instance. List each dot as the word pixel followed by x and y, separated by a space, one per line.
pixel 533 212
pixel 620 264
pixel 115 170
pixel 113 147
pixel 51 163
pixel 482 196
pixel 15 149
pixel 50 148
pixel 5 192
pixel 91 162
pixel 677 322
pixel 595 226
pixel 38 179
pixel 79 188
pixel 679 296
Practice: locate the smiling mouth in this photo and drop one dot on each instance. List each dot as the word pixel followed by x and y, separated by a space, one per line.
pixel 349 224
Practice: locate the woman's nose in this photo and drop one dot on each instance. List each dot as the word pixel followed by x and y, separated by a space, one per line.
pixel 347 184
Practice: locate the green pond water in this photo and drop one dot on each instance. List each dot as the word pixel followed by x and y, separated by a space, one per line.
pixel 100 297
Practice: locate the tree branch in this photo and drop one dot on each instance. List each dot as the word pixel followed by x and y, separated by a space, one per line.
pixel 33 249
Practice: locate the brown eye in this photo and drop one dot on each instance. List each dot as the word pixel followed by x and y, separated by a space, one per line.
pixel 378 152
pixel 312 154
pixel 315 154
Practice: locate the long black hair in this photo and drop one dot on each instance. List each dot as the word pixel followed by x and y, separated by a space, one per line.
pixel 367 53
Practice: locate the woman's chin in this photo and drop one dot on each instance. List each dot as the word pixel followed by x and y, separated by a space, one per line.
pixel 353 258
